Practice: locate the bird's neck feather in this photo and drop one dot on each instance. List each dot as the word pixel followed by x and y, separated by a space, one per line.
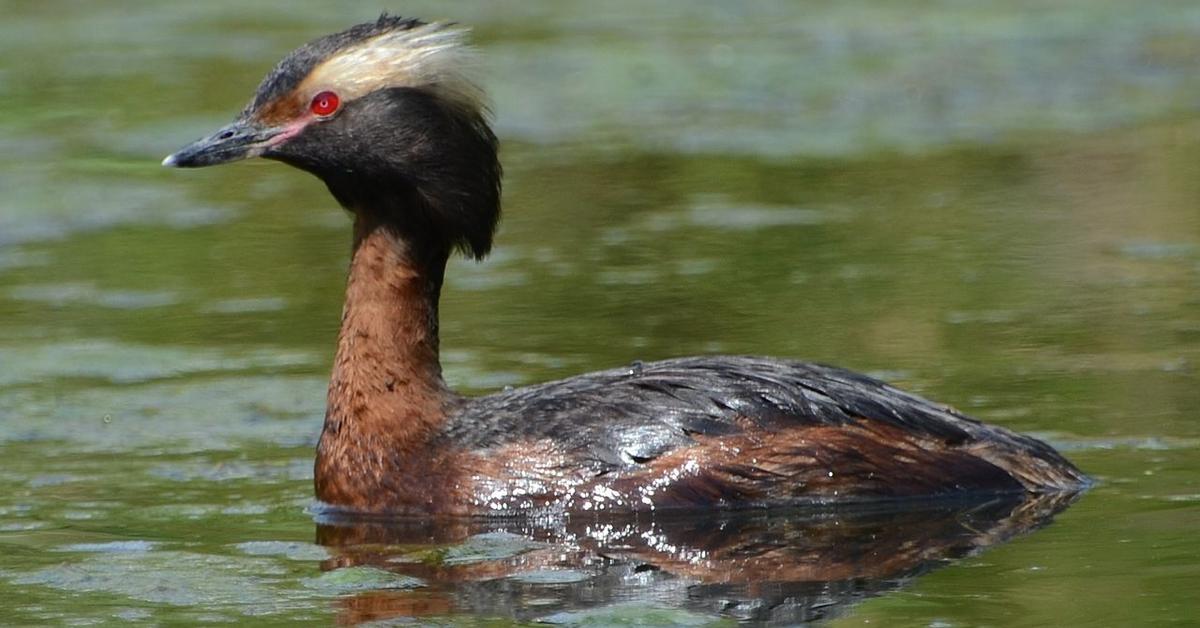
pixel 386 393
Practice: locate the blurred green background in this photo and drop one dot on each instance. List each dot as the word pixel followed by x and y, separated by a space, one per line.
pixel 995 204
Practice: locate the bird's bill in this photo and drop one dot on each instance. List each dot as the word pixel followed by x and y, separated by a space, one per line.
pixel 241 139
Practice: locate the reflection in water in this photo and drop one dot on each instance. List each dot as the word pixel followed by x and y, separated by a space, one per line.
pixel 780 567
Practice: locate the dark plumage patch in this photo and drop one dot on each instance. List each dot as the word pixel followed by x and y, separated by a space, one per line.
pixel 805 420
pixel 402 157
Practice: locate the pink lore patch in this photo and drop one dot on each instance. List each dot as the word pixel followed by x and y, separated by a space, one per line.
pixel 287 133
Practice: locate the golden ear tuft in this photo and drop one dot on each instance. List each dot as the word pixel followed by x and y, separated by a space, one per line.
pixel 433 56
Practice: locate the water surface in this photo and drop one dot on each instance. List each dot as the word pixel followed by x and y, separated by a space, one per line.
pixel 996 205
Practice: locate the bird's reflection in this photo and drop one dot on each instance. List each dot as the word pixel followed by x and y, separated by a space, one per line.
pixel 775 567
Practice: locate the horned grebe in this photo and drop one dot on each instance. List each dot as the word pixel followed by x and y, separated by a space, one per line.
pixel 384 114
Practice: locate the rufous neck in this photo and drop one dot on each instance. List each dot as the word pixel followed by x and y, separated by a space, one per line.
pixel 386 374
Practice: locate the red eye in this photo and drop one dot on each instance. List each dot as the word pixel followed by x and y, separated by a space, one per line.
pixel 325 104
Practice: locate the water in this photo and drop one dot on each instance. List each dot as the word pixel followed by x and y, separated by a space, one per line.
pixel 993 204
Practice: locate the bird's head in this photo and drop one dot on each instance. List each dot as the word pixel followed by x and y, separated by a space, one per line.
pixel 386 114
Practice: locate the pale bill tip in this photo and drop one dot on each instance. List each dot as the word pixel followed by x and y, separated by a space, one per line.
pixel 169 161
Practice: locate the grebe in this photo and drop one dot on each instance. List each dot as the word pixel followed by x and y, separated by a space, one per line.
pixel 386 116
